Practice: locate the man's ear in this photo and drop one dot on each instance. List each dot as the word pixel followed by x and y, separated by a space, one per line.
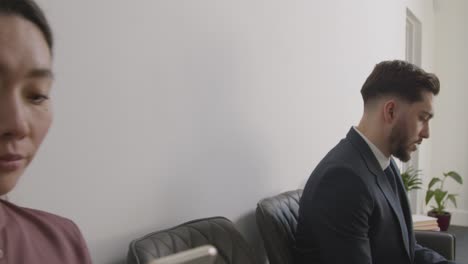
pixel 389 111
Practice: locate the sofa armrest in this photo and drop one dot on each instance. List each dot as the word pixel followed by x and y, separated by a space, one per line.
pixel 441 242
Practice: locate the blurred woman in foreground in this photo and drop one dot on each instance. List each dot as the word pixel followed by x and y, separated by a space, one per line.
pixel 26 42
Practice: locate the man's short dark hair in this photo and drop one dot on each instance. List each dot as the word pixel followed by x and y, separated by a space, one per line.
pixel 30 11
pixel 399 78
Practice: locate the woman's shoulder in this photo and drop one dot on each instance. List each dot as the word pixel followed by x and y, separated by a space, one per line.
pixel 34 219
pixel 25 212
pixel 31 226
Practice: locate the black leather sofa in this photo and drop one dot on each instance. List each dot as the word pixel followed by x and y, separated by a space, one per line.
pixel 216 231
pixel 277 221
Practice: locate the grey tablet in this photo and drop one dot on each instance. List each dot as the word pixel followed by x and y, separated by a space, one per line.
pixel 200 255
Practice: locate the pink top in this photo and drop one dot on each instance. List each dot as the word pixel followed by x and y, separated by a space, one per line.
pixel 31 236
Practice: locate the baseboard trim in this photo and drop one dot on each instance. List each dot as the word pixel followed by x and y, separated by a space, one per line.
pixel 459 218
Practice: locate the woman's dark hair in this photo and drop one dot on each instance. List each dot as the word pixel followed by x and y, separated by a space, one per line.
pixel 399 78
pixel 29 10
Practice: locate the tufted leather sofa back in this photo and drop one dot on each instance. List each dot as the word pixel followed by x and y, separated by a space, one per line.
pixel 216 231
pixel 277 222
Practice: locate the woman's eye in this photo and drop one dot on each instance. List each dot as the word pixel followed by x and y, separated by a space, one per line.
pixel 38 98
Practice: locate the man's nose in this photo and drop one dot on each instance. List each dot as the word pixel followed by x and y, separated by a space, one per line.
pixel 425 131
pixel 13 119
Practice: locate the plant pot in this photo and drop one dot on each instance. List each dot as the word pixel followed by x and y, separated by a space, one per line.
pixel 442 219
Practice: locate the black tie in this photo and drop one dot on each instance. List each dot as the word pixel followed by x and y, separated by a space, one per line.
pixel 391 179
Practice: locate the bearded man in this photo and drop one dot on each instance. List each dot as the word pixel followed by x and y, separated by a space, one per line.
pixel 354 208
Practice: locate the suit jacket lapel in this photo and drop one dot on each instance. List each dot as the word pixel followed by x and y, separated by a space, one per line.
pixel 381 179
pixel 406 210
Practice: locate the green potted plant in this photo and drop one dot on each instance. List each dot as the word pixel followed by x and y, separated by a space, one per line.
pixel 441 197
pixel 411 179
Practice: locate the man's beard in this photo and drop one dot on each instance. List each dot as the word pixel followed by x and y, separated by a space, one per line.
pixel 399 143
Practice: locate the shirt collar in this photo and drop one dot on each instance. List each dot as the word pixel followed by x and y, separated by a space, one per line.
pixel 384 162
pixel 3 215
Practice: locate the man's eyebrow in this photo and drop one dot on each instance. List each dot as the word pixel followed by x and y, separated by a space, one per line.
pixel 40 73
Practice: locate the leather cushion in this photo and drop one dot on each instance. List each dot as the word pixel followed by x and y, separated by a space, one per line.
pixel 277 221
pixel 217 231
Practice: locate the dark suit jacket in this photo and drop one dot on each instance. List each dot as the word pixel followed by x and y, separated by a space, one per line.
pixel 349 213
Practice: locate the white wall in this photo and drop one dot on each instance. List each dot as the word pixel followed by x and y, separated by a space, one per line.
pixel 169 110
pixel 450 128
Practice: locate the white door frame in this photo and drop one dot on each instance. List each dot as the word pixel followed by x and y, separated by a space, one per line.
pixel 413 55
